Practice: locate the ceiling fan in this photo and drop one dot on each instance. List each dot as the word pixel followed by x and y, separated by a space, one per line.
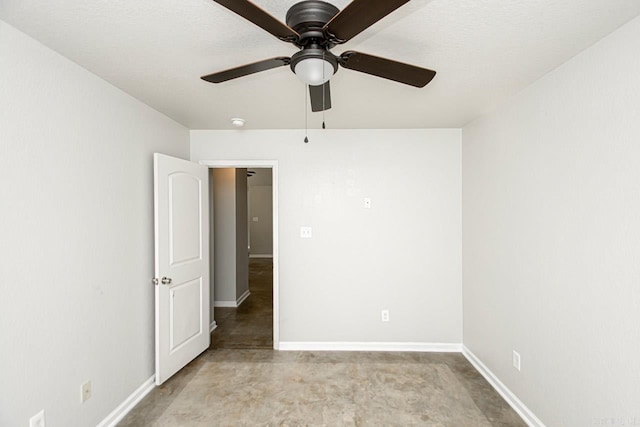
pixel 316 27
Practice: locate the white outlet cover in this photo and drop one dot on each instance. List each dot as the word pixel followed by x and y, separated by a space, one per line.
pixel 37 420
pixel 367 203
pixel 384 315
pixel 306 232
pixel 254 219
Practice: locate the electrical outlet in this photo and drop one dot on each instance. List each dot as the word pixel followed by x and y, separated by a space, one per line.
pixel 516 360
pixel 37 420
pixel 305 232
pixel 385 315
pixel 85 392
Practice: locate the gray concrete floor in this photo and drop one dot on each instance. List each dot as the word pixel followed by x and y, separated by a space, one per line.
pixel 241 381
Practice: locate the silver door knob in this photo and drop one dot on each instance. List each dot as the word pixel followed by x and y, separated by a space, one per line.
pixel 166 280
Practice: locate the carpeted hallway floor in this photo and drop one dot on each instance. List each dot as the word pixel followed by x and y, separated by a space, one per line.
pixel 241 381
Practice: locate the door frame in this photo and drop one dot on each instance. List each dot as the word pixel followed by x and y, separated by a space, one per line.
pixel 273 165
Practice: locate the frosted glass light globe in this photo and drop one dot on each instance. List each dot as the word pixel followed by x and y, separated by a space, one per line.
pixel 314 71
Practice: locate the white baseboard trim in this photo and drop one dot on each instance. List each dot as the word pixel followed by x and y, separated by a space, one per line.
pixel 231 304
pixel 370 346
pixel 123 409
pixel 260 256
pixel 212 326
pixel 242 298
pixel 517 405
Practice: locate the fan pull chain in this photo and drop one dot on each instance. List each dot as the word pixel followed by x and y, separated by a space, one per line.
pixel 306 90
pixel 323 92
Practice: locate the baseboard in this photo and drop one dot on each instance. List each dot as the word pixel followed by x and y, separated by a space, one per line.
pixel 134 398
pixel 370 346
pixel 231 304
pixel 517 405
pixel 260 256
pixel 212 326
pixel 242 298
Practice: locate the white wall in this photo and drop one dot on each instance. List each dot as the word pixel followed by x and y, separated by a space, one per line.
pixel 261 207
pixel 403 254
pixel 76 245
pixel 551 238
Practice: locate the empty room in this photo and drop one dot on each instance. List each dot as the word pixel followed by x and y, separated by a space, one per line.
pixel 453 213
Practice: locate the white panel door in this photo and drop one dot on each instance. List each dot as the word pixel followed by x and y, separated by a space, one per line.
pixel 181 208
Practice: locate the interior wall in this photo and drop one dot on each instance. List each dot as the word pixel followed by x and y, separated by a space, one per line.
pixel 403 254
pixel 76 185
pixel 224 219
pixel 231 253
pixel 551 238
pixel 242 234
pixel 261 209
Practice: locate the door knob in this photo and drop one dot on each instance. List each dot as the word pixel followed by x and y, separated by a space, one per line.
pixel 166 280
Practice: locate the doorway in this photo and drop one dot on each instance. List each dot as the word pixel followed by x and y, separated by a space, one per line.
pixel 262 268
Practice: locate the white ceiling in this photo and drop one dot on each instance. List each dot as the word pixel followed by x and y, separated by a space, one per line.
pixel 156 50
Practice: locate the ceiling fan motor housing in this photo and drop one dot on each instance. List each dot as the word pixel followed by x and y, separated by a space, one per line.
pixel 308 18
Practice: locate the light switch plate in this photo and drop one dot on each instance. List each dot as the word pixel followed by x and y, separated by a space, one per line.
pixel 367 203
pixel 85 392
pixel 516 360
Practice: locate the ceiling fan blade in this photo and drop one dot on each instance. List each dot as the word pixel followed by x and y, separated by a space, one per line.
pixel 245 70
pixel 386 68
pixel 261 18
pixel 320 97
pixel 358 16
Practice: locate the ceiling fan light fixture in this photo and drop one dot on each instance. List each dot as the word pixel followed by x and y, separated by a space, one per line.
pixel 314 71
pixel 314 66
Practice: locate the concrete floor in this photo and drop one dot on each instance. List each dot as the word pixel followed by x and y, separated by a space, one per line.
pixel 241 381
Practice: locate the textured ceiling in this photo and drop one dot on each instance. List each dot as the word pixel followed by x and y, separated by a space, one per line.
pixel 156 50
